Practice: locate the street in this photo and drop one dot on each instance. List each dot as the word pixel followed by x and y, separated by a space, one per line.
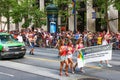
pixel 44 65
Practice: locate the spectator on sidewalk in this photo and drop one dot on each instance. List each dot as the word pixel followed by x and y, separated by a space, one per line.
pixel 20 38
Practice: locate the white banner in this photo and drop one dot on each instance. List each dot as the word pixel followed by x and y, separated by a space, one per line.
pixel 94 54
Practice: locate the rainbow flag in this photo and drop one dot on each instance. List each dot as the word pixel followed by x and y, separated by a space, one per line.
pixel 81 56
pixel 80 59
pixel 73 5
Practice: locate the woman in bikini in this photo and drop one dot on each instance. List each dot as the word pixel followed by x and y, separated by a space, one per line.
pixel 63 57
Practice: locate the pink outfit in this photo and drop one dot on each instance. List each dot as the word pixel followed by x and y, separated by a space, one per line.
pixel 70 50
pixel 80 46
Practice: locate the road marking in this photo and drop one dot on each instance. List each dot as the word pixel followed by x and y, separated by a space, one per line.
pixel 50 60
pixel 6 74
pixel 43 59
pixel 94 67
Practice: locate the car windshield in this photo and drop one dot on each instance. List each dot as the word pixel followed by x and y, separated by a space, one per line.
pixel 6 38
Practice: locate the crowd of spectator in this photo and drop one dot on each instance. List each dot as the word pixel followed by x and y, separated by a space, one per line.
pixel 50 40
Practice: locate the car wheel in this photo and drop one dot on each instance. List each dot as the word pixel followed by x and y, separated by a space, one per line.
pixel 0 56
pixel 22 56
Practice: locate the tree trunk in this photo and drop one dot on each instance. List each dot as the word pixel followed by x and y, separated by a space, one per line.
pixel 4 26
pixel 0 23
pixel 17 26
pixel 118 21
pixel 8 24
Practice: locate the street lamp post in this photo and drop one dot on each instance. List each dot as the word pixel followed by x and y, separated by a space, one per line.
pixel 106 15
pixel 75 28
pixel 74 12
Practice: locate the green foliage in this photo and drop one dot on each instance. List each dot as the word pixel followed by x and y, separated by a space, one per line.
pixel 26 23
pixel 16 13
pixel 101 4
pixel 22 9
pixel 63 7
pixel 5 7
pixel 117 4
pixel 38 18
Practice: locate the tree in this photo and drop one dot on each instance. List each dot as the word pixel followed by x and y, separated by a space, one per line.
pixel 64 11
pixel 103 7
pixel 29 11
pixel 38 18
pixel 17 10
pixel 5 8
pixel 16 14
pixel 117 4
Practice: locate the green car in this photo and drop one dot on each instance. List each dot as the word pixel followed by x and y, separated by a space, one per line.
pixel 10 47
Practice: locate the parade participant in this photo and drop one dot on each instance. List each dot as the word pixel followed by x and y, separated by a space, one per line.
pixel 79 45
pixel 70 50
pixel 32 40
pixel 58 46
pixel 63 58
pixel 105 42
pixel 108 36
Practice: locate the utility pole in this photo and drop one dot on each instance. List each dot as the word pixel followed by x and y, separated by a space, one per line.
pixel 106 15
pixel 75 27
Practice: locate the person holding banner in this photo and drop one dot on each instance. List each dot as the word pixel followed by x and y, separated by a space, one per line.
pixel 105 42
pixel 70 50
pixel 79 45
pixel 63 57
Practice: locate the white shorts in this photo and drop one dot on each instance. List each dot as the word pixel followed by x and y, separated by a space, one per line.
pixel 69 56
pixel 63 58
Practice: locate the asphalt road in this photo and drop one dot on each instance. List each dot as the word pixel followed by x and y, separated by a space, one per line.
pixel 44 65
pixel 13 74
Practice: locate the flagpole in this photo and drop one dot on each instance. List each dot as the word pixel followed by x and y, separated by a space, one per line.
pixel 75 16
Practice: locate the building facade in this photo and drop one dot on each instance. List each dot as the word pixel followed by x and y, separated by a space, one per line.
pixel 90 18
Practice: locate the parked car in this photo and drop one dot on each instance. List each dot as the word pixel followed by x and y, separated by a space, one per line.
pixel 10 47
